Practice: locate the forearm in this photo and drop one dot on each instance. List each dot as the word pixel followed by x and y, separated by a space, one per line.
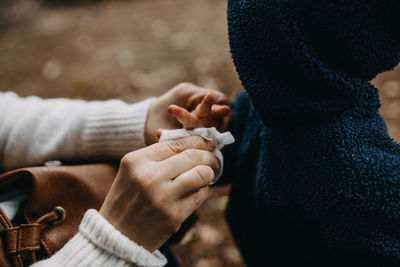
pixel 33 131
pixel 98 243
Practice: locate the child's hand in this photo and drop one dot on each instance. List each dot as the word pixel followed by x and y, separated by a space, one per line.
pixel 185 95
pixel 205 114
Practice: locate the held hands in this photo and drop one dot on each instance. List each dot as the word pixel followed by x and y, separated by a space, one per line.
pixel 158 187
pixel 206 114
pixel 208 109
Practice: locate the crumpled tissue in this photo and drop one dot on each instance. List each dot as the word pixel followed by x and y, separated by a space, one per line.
pixel 212 134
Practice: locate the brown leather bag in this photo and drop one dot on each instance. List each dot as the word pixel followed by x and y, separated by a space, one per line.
pixel 58 197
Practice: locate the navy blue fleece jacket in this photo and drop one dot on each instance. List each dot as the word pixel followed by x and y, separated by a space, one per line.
pixel 315 176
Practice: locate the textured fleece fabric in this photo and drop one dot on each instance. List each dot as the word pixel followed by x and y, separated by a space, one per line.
pixel 316 177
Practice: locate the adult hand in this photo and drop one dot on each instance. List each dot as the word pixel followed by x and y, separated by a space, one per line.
pixel 158 187
pixel 185 95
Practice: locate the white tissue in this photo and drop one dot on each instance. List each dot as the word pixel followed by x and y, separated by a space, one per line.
pixel 220 139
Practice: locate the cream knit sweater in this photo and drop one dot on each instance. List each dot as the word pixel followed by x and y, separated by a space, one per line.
pixel 33 131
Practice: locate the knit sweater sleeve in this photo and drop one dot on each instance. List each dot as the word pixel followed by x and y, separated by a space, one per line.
pixel 33 130
pixel 97 244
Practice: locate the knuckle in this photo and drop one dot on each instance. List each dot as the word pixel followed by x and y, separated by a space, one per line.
pixel 210 159
pixel 176 145
pixel 181 144
pixel 205 174
pixel 215 162
pixel 128 160
pixel 185 85
pixel 194 155
pixel 197 141
pixel 183 90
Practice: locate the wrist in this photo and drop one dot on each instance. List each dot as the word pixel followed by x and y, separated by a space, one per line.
pixel 98 231
pixel 149 128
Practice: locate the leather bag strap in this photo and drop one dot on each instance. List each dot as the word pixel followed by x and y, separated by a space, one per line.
pixel 25 239
pixel 8 228
pixel 5 222
pixel 57 198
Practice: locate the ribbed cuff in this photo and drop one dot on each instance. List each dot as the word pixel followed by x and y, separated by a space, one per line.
pixel 114 128
pixel 98 243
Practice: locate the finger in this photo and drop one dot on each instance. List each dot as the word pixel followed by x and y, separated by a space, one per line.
pixel 223 115
pixel 192 202
pixel 167 149
pixel 195 99
pixel 193 180
pixel 158 133
pixel 185 118
pixel 219 97
pixel 218 111
pixel 204 108
pixel 186 160
pixel 226 121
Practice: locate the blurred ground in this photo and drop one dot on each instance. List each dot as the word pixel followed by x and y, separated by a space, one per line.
pixel 124 49
pixel 132 50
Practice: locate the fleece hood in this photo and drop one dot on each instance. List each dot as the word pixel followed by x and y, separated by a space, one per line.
pixel 303 61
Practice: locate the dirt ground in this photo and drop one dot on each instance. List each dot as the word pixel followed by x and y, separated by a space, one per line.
pixel 133 50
